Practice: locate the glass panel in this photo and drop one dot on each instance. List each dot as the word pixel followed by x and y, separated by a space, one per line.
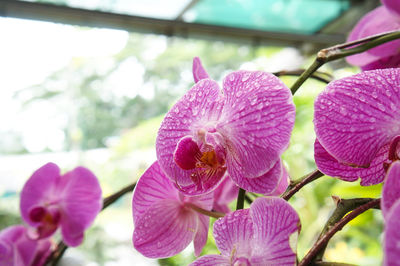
pixel 293 16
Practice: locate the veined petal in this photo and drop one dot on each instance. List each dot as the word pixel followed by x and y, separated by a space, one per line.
pixel 356 116
pixel 153 186
pixel 199 72
pixel 81 202
pixel 200 239
pixel 283 183
pixel 393 6
pixel 265 184
pixel 224 194
pixel 372 175
pixel 256 122
pixel 391 242
pixel 198 108
pixel 211 260
pixel 275 223
pixel 234 233
pixel 385 62
pixel 39 190
pixel 391 188
pixel 377 21
pixel 165 229
pixel 16 248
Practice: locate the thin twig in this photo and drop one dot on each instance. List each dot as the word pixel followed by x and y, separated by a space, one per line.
pixel 213 214
pixel 240 199
pixel 57 254
pixel 296 185
pixel 323 241
pixel 320 76
pixel 343 50
pixel 343 206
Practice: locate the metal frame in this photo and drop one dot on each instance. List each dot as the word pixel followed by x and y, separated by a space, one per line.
pixel 177 27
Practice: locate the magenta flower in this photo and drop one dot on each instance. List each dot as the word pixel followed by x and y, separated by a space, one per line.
pixel 224 194
pixel 265 234
pixel 70 201
pixel 165 220
pixel 356 119
pixel 379 20
pixel 390 206
pixel 16 248
pixel 242 131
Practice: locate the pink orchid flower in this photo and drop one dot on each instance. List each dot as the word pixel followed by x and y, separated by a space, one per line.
pixel 356 119
pixel 390 206
pixel 16 248
pixel 165 220
pixel 70 201
pixel 382 19
pixel 241 130
pixel 265 234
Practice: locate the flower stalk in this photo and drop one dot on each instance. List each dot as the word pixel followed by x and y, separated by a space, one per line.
pixel 342 50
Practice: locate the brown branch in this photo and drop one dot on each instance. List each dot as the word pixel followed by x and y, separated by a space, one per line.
pixel 332 230
pixel 296 185
pixel 320 76
pixel 343 50
pixel 57 254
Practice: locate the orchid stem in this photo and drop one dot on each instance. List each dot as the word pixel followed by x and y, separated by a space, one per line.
pixel 206 212
pixel 343 50
pixel 57 254
pixel 332 229
pixel 320 76
pixel 296 185
pixel 240 199
pixel 343 206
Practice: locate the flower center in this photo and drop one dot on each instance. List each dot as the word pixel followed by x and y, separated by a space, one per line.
pixel 48 219
pixel 207 162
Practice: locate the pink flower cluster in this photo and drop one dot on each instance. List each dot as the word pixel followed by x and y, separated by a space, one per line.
pixel 50 201
pixel 382 19
pixel 209 144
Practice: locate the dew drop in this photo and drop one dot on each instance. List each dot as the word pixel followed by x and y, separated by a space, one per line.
pixel 343 111
pixel 372 119
pixel 231 77
pixel 260 106
pixel 374 94
pixel 245 77
pixel 239 93
pixel 381 107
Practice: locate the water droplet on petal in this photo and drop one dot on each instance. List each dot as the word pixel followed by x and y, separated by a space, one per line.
pixel 381 107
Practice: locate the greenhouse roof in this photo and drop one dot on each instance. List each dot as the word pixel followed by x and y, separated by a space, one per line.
pixel 273 21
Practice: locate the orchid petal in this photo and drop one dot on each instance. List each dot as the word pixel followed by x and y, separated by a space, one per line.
pixel 385 62
pixel 81 202
pixel 391 243
pixel 16 248
pixel 153 186
pixel 199 105
pixel 275 222
pixel 224 194
pixel 233 234
pixel 283 183
pixel 377 21
pixel 265 184
pixel 355 116
pixel 165 229
pixel 39 190
pixel 256 122
pixel 199 72
pixel 211 260
pixel 393 6
pixel 200 239
pixel 372 175
pixel 391 188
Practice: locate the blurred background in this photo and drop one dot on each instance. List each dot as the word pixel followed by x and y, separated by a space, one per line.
pixel 88 83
